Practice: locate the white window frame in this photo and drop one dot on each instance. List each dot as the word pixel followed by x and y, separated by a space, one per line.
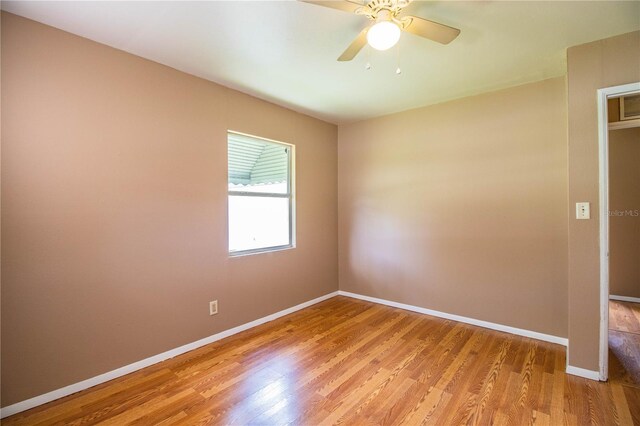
pixel 289 194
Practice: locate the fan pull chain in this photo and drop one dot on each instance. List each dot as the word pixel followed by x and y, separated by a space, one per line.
pixel 398 70
pixel 368 64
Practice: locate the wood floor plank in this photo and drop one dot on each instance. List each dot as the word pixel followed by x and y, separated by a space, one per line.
pixel 477 402
pixel 624 316
pixel 345 361
pixel 632 397
pixel 623 413
pixel 624 343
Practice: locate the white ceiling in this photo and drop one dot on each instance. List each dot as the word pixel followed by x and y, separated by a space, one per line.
pixel 285 51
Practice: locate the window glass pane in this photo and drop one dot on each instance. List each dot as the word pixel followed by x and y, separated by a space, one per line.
pixel 257 166
pixel 258 222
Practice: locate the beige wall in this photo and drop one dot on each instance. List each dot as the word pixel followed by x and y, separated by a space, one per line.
pixel 114 210
pixel 591 66
pixel 624 203
pixel 461 207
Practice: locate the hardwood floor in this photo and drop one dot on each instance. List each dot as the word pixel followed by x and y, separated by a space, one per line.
pixel 624 344
pixel 356 363
pixel 624 316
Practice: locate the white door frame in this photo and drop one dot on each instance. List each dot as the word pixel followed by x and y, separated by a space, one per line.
pixel 603 149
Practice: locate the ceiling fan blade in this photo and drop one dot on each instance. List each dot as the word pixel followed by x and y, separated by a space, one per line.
pixel 429 29
pixel 355 46
pixel 344 5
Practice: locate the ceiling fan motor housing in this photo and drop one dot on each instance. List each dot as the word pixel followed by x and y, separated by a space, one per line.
pixel 375 7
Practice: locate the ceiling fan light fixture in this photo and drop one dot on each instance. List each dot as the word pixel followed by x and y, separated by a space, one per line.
pixel 383 35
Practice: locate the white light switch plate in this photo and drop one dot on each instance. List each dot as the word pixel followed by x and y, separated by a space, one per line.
pixel 583 211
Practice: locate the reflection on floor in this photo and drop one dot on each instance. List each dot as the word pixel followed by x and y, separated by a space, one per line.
pixel 624 344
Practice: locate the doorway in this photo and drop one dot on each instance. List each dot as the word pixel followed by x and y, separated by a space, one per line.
pixel 606 101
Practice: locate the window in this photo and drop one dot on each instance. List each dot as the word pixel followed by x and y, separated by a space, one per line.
pixel 260 196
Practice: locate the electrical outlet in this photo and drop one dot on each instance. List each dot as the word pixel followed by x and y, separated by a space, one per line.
pixel 213 307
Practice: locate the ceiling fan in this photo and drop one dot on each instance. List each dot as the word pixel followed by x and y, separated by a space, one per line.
pixel 387 24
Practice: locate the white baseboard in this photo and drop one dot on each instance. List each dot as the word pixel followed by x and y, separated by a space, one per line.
pixel 582 372
pixel 85 384
pixel 625 298
pixel 486 324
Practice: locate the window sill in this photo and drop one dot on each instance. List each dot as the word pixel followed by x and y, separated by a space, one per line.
pixel 244 253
